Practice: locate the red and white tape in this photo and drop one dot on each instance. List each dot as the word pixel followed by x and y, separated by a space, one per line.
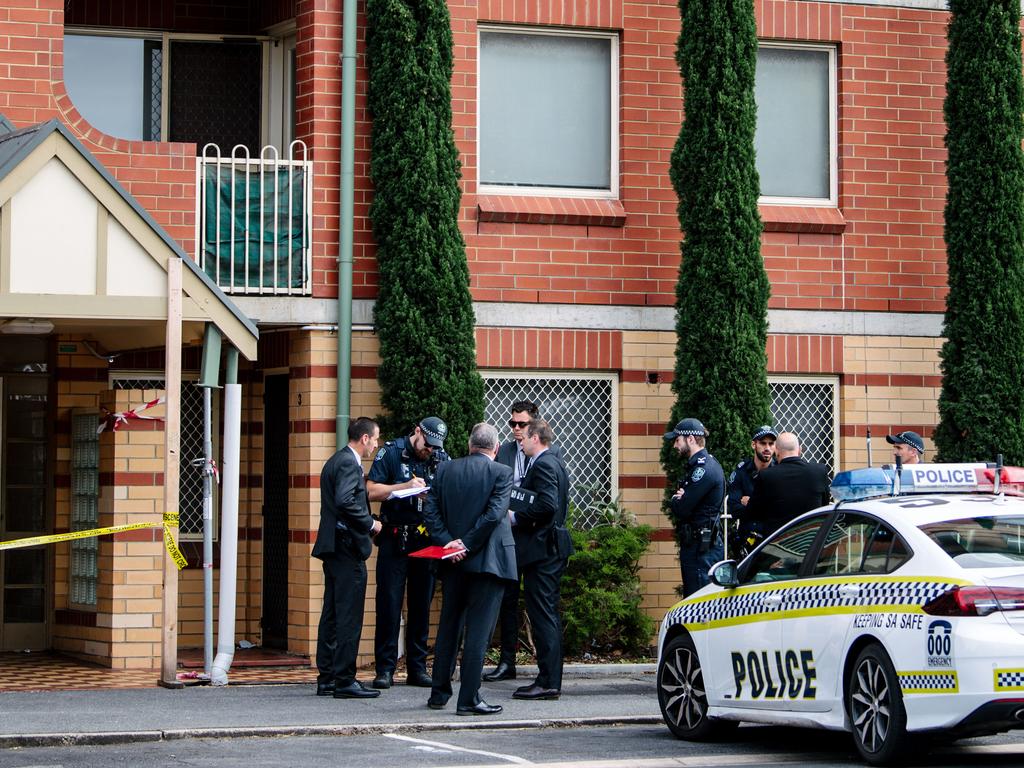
pixel 116 418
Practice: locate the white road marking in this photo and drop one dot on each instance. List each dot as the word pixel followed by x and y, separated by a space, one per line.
pixel 453 748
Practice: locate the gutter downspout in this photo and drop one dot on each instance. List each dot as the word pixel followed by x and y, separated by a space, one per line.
pixel 346 221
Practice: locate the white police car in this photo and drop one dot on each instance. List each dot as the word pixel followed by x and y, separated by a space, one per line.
pixel 888 617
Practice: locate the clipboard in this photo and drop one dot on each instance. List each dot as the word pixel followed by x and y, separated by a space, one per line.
pixel 436 553
pixel 521 499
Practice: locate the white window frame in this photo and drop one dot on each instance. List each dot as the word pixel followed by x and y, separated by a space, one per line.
pixel 836 415
pixel 613 118
pixel 833 126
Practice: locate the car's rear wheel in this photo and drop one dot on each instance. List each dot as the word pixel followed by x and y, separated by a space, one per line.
pixel 681 693
pixel 874 703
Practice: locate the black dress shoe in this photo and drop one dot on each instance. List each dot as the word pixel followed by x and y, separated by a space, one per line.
pixel 325 689
pixel 526 687
pixel 420 679
pixel 383 680
pixel 480 708
pixel 437 703
pixel 503 671
pixel 535 692
pixel 355 690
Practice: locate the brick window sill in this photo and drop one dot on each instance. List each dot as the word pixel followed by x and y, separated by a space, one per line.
pixel 518 209
pixel 802 218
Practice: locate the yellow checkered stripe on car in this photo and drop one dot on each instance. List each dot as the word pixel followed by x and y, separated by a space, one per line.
pixel 927 681
pixel 805 597
pixel 1008 679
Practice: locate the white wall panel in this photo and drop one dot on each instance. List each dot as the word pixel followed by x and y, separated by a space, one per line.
pixel 53 234
pixel 130 270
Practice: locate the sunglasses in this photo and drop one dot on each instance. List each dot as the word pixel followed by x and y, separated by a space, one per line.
pixel 521 424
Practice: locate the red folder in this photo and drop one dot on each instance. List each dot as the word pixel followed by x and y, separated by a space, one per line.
pixel 436 553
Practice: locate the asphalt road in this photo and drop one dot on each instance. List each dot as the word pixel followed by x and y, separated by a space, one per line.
pixel 594 747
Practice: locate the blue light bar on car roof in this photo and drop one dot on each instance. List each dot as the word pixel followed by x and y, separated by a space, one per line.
pixel 924 478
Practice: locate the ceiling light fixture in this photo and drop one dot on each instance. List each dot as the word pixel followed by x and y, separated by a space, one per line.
pixel 27 326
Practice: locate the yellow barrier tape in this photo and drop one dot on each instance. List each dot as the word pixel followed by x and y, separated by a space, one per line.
pixel 169 519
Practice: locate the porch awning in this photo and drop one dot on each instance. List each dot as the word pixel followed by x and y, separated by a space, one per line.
pixel 77 250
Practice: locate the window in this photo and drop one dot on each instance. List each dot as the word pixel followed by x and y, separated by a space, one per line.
pixel 548 112
pixel 795 142
pixel 995 541
pixel 85 475
pixel 582 415
pixel 783 555
pixel 190 477
pixel 807 407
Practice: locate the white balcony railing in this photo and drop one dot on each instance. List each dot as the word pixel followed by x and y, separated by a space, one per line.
pixel 254 220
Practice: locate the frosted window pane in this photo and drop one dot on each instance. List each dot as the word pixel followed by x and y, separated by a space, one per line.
pixel 545 106
pixel 792 141
pixel 104 77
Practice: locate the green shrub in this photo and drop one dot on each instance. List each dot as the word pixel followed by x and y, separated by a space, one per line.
pixel 601 590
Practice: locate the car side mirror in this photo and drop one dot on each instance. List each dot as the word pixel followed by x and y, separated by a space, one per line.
pixel 724 574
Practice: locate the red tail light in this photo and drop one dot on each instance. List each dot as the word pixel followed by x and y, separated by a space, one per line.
pixel 975 601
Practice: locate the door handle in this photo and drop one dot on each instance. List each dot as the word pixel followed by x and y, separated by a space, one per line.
pixel 771 601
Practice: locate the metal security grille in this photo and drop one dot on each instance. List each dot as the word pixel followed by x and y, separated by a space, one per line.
pixel 581 411
pixel 190 480
pixel 85 473
pixel 153 101
pixel 808 407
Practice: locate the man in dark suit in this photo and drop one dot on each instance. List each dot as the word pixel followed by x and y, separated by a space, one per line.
pixel 466 512
pixel 790 488
pixel 343 544
pixel 543 547
pixel 511 455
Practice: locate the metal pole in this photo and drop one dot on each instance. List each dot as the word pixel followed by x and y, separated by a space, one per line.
pixel 229 525
pixel 207 534
pixel 346 221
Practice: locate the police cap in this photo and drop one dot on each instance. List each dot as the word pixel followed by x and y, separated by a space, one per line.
pixel 687 427
pixel 434 431
pixel 764 431
pixel 907 438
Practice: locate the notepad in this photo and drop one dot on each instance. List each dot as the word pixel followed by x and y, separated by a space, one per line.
pixel 436 553
pixel 404 493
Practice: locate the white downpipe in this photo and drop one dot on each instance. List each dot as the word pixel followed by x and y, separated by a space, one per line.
pixel 228 535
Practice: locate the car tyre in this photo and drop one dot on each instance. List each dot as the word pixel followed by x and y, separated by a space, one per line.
pixel 874 703
pixel 681 693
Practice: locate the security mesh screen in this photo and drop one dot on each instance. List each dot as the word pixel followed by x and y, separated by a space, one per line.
pixel 580 413
pixel 808 410
pixel 190 479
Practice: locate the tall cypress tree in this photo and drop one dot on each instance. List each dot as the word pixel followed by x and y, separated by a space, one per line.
pixel 981 407
pixel 722 293
pixel 424 312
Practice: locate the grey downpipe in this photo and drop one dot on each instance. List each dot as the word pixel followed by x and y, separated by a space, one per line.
pixel 346 221
pixel 229 522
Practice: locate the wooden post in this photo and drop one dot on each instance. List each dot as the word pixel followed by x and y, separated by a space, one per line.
pixel 172 441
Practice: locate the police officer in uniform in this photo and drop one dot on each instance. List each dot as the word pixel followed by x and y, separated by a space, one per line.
pixel 404 464
pixel 741 485
pixel 696 505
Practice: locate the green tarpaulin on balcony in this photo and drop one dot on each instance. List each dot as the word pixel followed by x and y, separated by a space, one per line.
pixel 263 235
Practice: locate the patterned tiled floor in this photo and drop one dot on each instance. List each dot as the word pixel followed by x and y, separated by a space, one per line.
pixel 51 672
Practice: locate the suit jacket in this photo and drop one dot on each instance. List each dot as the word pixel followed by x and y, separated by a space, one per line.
pixel 468 500
pixel 507 454
pixel 343 499
pixel 790 488
pixel 534 528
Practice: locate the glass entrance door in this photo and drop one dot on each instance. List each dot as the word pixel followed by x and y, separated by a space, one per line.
pixel 24 484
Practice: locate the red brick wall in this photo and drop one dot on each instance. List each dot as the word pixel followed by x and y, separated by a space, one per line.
pixel 882 250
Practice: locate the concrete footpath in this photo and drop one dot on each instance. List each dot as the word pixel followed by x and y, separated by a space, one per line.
pixel 598 694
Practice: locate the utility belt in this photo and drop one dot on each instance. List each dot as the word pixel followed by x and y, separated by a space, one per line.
pixel 408 537
pixel 701 535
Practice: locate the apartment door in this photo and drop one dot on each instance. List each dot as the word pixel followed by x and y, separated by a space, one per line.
pixel 24 490
pixel 275 512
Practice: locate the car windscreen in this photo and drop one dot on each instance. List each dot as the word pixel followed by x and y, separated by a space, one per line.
pixel 994 541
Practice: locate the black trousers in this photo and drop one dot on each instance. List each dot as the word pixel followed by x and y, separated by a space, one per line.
pixel 341 619
pixel 400 576
pixel 472 598
pixel 508 623
pixel 542 583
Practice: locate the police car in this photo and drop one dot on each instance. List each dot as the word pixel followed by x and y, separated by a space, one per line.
pixel 896 612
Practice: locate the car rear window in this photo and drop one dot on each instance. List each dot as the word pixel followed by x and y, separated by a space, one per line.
pixel 981 542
